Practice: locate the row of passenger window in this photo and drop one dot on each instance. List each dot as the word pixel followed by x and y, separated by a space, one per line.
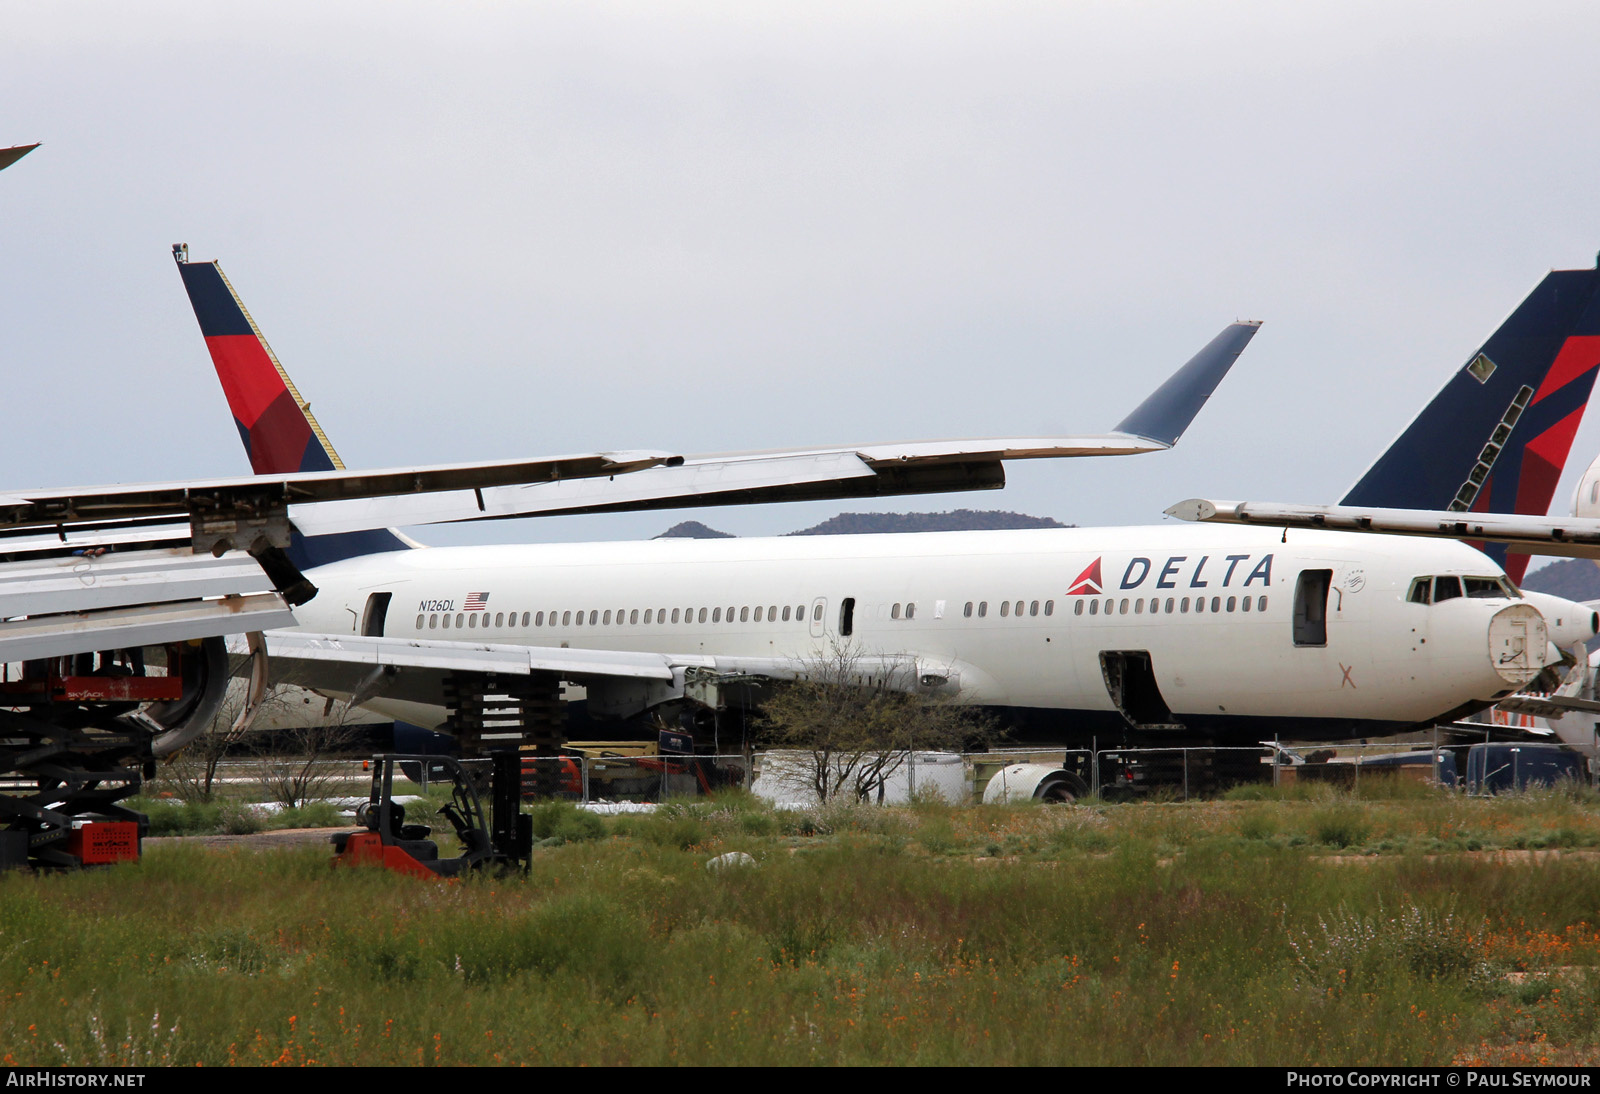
pixel 773 613
pixel 1007 607
pixel 1172 605
pixel 769 613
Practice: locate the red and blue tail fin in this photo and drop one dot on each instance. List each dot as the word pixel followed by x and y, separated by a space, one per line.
pixel 1496 438
pixel 280 434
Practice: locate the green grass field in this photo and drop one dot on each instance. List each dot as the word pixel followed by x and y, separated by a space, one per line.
pixel 1408 928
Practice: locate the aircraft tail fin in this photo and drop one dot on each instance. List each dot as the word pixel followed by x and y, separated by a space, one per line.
pixel 1495 439
pixel 279 432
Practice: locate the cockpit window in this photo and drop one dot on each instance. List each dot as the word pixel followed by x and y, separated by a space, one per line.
pixel 1432 590
pixel 1484 588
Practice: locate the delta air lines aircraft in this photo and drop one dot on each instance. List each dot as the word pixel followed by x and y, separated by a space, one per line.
pixel 1232 634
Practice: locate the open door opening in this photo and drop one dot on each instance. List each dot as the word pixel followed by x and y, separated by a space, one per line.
pixel 376 612
pixel 1131 683
pixel 1311 607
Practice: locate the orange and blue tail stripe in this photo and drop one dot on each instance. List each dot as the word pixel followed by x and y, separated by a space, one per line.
pixel 280 434
pixel 277 427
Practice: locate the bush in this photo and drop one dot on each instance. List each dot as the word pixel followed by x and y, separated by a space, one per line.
pixel 563 821
pixel 1258 824
pixel 311 815
pixel 238 819
pixel 670 826
pixel 174 818
pixel 1352 952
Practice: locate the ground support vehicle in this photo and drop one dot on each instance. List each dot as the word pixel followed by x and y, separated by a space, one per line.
pixel 500 840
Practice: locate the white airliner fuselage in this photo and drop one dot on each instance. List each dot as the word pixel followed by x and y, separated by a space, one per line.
pixel 1233 633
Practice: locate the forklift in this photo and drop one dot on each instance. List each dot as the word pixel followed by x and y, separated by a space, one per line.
pixel 502 842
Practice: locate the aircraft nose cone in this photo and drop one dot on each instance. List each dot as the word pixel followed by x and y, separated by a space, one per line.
pixel 1517 640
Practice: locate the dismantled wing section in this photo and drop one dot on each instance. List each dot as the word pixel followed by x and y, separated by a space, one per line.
pixel 206 499
pixel 864 471
pixel 1496 437
pixel 122 567
pixel 54 606
pixel 1572 536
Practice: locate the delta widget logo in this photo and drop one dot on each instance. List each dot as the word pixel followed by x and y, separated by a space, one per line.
pixel 1087 583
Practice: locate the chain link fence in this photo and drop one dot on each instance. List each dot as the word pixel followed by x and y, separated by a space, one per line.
pixel 1161 774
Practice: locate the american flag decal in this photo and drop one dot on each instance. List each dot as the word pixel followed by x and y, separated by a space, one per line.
pixel 477 602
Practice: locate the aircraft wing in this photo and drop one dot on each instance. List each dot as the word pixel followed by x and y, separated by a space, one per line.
pixel 811 474
pixel 608 481
pixel 1548 706
pixel 213 498
pixel 119 567
pixel 414 670
pixel 1572 536
pixel 1476 732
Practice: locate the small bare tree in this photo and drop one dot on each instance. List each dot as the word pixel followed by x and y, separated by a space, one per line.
pixel 308 761
pixel 858 725
pixel 196 767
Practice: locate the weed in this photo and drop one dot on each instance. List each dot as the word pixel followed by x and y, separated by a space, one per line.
pixel 938 835
pixel 1291 790
pixel 1341 825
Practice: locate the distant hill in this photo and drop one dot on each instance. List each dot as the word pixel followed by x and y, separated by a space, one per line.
pixel 1573 578
pixel 693 529
pixel 961 520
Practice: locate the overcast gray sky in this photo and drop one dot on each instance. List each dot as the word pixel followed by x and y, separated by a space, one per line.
pixel 486 230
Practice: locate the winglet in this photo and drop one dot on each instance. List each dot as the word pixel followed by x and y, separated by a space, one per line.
pixel 1172 406
pixel 8 156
